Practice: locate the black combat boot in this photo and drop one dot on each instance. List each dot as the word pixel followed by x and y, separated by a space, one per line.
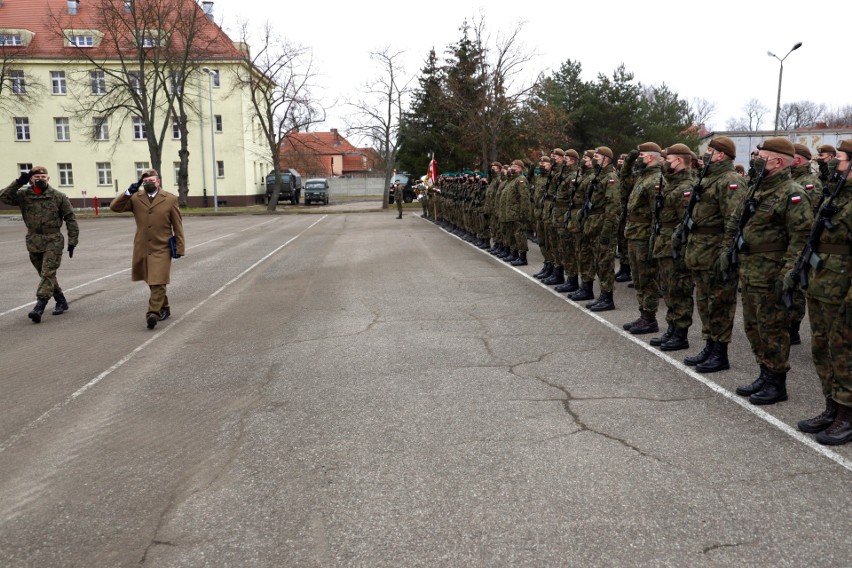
pixel 717 361
pixel 702 355
pixel 623 274
pixel 512 257
pixel 821 422
pixel 677 341
pixel 795 338
pixel 628 325
pixel 657 341
pixel 840 431
pixel 38 310
pixel 547 273
pixel 571 285
pixel 646 324
pixel 484 244
pixel 541 272
pixel 604 303
pixel 151 320
pixel 774 389
pixel 558 276
pixel 504 252
pixel 61 303
pixel 586 292
pixel 521 260
pixel 755 386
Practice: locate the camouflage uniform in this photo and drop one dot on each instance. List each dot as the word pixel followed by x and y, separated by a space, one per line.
pixel 579 246
pixel 514 212
pixel 813 187
pixel 539 209
pixel 637 231
pixel 43 215
pixel 564 250
pixel 601 224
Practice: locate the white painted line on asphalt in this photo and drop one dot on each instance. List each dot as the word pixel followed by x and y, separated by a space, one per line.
pixel 715 387
pixel 60 405
pixel 84 284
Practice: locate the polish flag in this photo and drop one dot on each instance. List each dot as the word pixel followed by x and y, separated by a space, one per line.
pixel 433 172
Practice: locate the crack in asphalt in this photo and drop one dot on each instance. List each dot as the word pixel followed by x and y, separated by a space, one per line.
pixel 723 545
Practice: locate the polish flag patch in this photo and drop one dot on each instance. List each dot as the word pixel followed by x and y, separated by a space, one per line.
pixel 612 181
pixel 733 186
pixel 795 198
pixel 809 186
pixel 687 194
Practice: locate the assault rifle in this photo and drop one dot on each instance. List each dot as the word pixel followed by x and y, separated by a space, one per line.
pixel 810 256
pixel 659 203
pixel 574 186
pixel 559 181
pixel 688 222
pixel 593 185
pixel 739 243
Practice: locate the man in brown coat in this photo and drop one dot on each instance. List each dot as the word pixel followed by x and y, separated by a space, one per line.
pixel 157 218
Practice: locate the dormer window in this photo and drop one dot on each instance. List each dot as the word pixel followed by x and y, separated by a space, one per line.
pixel 149 41
pixel 15 37
pixel 81 40
pixel 11 39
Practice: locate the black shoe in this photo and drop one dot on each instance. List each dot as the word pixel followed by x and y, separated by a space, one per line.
pixel 677 341
pixel 571 285
pixel 631 285
pixel 541 272
pixel 657 341
pixel 38 310
pixel 548 272
pixel 717 361
pixel 586 292
pixel 521 260
pixel 795 337
pixel 774 389
pixel 165 314
pixel 646 324
pixel 151 320
pixel 604 303
pixel 821 422
pixel 628 325
pixel 61 304
pixel 623 274
pixel 755 386
pixel 702 355
pixel 558 276
pixel 512 257
pixel 840 431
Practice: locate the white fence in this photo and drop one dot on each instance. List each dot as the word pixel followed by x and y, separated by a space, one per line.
pixel 356 187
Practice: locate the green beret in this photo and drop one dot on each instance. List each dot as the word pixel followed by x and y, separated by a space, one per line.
pixel 778 145
pixel 604 151
pixel 803 151
pixel 649 147
pixel 724 144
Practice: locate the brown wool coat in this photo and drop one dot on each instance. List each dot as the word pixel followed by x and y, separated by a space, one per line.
pixel 156 221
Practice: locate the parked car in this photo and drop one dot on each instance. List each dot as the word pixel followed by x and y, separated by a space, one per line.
pixel 291 186
pixel 405 180
pixel 316 190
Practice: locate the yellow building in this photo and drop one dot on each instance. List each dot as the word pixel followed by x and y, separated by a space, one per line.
pixel 57 64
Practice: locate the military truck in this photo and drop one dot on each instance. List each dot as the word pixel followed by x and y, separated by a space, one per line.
pixel 291 186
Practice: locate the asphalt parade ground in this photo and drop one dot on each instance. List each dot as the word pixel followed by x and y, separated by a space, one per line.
pixel 355 390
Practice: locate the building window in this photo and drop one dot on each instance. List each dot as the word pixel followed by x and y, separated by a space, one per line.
pixel 176 167
pixel 141 167
pixel 98 82
pixel 81 40
pixel 57 82
pixel 100 125
pixel 139 132
pixel 66 175
pixel 11 39
pixel 19 84
pixel 63 129
pixel 215 75
pixel 175 128
pixel 104 173
pixel 218 121
pixel 220 168
pixel 22 129
pixel 134 80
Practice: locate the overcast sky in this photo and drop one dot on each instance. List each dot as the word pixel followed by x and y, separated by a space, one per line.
pixel 713 50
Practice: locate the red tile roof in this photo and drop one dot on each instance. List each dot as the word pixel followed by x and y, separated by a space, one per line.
pixel 46 18
pixel 324 143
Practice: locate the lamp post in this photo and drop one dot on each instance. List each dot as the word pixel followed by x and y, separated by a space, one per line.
pixel 201 139
pixel 212 137
pixel 780 75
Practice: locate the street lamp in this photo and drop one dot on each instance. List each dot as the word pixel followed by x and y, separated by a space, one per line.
pixel 201 139
pixel 212 137
pixel 781 74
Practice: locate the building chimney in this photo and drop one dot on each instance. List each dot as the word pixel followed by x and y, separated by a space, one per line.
pixel 336 136
pixel 72 7
pixel 207 7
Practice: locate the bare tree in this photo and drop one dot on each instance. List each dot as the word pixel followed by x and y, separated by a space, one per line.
pixel 19 91
pixel 841 116
pixel 379 111
pixel 701 110
pixel 278 79
pixel 754 112
pixel 800 114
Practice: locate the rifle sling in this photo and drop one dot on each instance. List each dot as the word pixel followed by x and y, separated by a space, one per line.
pixel 833 248
pixel 765 247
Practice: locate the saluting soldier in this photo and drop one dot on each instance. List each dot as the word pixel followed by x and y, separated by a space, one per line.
pixel 830 306
pixel 627 177
pixel 772 238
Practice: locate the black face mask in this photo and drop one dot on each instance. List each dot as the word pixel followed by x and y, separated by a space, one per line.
pixel 639 165
pixel 149 187
pixel 40 183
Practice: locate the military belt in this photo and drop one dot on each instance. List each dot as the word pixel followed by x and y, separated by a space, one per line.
pixel 639 219
pixel 766 247
pixel 708 230
pixel 829 248
pixel 670 224
pixel 597 211
pixel 50 231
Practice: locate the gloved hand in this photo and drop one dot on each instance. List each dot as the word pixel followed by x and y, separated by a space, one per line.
pixel 723 264
pixel 779 292
pixel 134 187
pixel 788 284
pixel 604 239
pixel 71 250
pixel 24 179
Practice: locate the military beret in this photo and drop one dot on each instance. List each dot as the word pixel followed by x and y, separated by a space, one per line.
pixel 572 154
pixel 778 145
pixel 544 158
pixel 498 164
pixel 845 146
pixel 150 172
pixel 589 153
pixel 38 170
pixel 826 149
pixel 622 156
pixel 558 151
pixel 518 163
pixel 803 151
pixel 604 151
pixel 649 147
pixel 677 149
pixel 724 144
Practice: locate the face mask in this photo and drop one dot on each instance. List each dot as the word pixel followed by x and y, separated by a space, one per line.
pixel 759 165
pixel 40 183
pixel 669 168
pixel 149 186
pixel 706 158
pixel 832 167
pixel 640 165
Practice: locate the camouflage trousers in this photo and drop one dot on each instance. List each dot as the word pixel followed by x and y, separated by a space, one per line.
pixel 604 262
pixel 767 324
pixel 398 204
pixel 644 274
pixel 158 299
pixel 676 281
pixel 582 257
pixel 717 304
pixel 797 310
pixel 831 348
pixel 564 254
pixel 47 264
pixel 516 236
pixel 623 245
pixel 541 229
